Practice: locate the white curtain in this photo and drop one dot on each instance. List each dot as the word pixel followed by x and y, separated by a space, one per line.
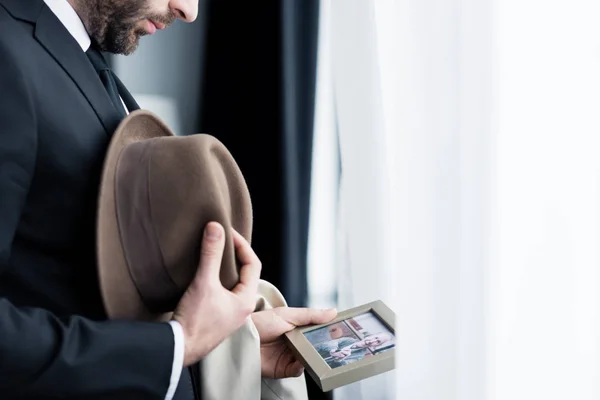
pixel 544 309
pixel 351 248
pixel 469 144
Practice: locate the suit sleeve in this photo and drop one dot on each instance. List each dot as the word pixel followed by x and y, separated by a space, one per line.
pixel 41 354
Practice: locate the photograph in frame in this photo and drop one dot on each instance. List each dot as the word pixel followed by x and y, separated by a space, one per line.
pixel 351 340
pixel 358 344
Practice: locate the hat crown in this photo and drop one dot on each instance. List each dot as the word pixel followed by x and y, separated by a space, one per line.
pixel 166 190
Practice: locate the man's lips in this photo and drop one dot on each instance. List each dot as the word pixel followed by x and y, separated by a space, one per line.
pixel 153 26
pixel 158 25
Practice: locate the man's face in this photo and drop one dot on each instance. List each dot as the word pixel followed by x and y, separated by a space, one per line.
pixel 116 26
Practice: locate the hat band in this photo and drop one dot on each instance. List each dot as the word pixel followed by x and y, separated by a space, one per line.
pixel 139 239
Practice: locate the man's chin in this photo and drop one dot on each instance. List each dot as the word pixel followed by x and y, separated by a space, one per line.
pixel 124 46
pixel 131 49
pixel 133 45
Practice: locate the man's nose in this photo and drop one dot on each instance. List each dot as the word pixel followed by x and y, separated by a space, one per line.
pixel 186 10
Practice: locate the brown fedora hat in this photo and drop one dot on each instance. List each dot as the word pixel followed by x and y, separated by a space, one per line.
pixel 158 191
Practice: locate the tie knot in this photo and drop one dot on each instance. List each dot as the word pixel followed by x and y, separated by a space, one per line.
pixel 97 59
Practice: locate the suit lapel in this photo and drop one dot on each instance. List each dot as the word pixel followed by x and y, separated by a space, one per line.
pixel 51 33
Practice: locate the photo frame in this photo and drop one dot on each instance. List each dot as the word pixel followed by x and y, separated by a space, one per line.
pixel 358 344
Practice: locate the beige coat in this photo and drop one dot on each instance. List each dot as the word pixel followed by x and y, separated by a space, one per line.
pixel 232 370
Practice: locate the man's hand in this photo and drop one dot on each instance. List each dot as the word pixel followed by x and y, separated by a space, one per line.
pixel 277 360
pixel 207 312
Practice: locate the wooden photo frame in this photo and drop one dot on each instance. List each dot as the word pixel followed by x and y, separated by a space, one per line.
pixel 359 343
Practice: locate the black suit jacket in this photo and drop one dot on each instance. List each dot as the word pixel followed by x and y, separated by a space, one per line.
pixel 56 120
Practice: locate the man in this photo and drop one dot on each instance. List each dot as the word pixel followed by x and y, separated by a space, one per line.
pixel 346 350
pixel 59 106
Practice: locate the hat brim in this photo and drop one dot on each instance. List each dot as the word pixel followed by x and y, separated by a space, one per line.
pixel 119 293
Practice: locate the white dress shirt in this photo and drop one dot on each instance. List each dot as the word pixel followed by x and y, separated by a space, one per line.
pixel 69 18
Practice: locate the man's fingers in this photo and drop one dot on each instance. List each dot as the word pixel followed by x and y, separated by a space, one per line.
pixel 243 250
pixel 295 370
pixel 211 252
pixel 306 316
pixel 249 277
pixel 251 267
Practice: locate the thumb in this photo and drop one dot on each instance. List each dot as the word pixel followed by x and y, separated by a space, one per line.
pixel 211 252
pixel 306 316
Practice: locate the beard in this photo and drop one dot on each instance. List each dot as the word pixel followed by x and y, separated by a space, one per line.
pixel 114 25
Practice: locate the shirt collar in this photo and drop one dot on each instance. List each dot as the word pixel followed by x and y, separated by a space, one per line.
pixel 69 18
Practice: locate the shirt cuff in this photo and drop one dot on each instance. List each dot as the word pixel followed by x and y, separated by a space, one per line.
pixel 177 358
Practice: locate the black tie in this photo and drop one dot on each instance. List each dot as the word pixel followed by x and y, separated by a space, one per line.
pixel 116 91
pixel 114 87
